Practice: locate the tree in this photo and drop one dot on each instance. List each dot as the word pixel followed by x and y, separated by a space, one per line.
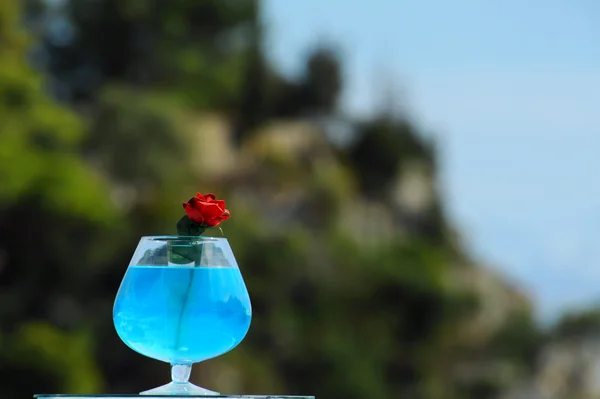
pixel 47 193
pixel 194 49
pixel 323 81
pixel 383 145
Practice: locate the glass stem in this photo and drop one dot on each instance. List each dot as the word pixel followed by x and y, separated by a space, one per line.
pixel 180 373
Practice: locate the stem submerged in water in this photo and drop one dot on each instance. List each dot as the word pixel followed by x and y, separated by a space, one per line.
pixel 184 254
pixel 183 308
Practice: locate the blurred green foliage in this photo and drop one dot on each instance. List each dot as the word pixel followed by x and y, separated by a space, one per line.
pixel 105 154
pixel 582 324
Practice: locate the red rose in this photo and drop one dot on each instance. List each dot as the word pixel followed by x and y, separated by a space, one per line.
pixel 206 210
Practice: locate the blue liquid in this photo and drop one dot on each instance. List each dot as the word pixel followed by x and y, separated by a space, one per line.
pixel 182 315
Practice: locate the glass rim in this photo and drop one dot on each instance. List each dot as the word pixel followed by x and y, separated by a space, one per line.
pixel 176 237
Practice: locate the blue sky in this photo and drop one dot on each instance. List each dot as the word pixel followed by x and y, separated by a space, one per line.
pixel 511 89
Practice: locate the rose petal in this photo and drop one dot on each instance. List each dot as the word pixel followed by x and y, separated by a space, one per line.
pixel 210 210
pixel 194 201
pixel 206 210
pixel 221 204
pixel 224 216
pixel 193 213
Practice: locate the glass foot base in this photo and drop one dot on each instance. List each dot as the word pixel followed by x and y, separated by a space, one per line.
pixel 180 388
